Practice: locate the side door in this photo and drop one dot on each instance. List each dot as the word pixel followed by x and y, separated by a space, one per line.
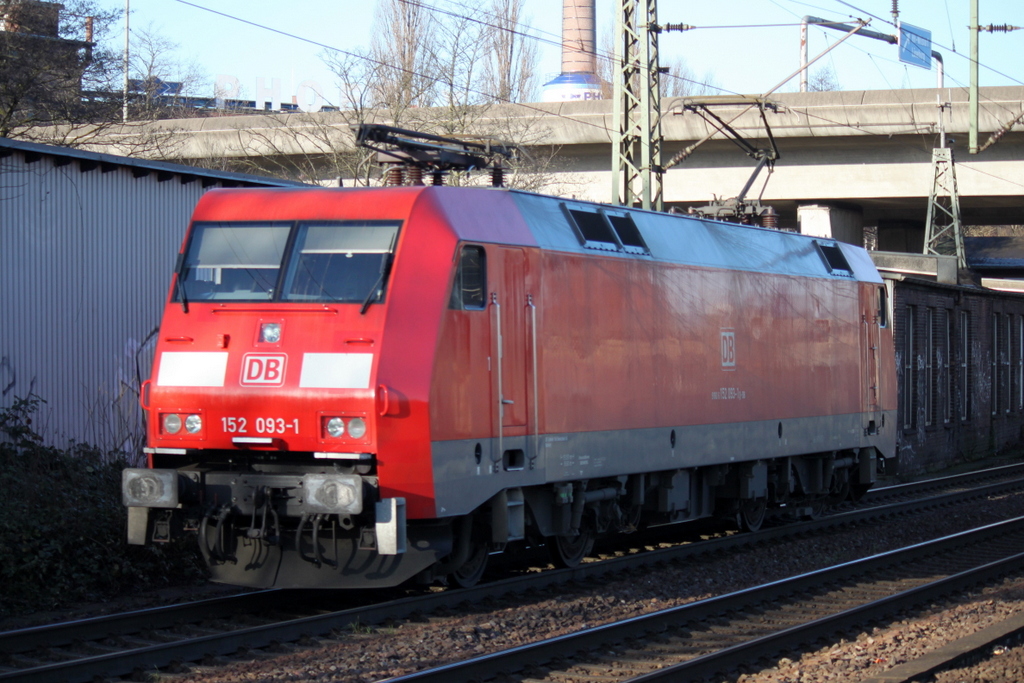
pixel 874 316
pixel 511 320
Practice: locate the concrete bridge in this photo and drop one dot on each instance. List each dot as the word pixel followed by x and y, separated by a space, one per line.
pixel 850 159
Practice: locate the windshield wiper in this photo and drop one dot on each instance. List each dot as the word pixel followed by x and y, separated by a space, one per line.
pixel 179 285
pixel 378 286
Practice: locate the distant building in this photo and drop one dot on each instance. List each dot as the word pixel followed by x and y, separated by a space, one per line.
pixel 41 71
pixel 30 18
pixel 32 27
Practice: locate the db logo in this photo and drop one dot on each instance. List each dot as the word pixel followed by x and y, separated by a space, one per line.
pixel 728 349
pixel 262 369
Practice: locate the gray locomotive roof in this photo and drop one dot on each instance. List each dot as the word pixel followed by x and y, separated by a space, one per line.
pixel 693 241
pixel 90 160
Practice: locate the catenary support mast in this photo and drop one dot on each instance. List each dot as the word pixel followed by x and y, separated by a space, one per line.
pixel 636 147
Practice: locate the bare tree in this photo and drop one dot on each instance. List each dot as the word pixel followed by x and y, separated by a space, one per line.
pixel 312 147
pixel 161 82
pixel 458 53
pixel 403 51
pixel 823 80
pixel 510 69
pixel 682 81
pixel 606 67
pixel 426 72
pixel 993 230
pixel 679 81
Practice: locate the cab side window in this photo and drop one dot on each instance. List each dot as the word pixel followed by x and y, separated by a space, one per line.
pixel 470 287
pixel 883 307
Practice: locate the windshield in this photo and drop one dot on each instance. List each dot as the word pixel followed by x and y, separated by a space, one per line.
pixel 324 262
pixel 337 262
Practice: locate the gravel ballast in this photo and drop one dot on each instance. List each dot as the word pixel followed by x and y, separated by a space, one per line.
pixel 374 653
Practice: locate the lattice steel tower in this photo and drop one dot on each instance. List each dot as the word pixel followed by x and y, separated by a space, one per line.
pixel 636 148
pixel 943 234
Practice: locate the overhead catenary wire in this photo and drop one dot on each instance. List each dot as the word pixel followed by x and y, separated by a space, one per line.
pixel 944 47
pixel 875 58
pixel 556 40
pixel 409 72
pixel 845 124
pixel 527 106
pixel 681 156
pixel 1003 129
pixel 872 56
pixel 530 34
pixel 891 23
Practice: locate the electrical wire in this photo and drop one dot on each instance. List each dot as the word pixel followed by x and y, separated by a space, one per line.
pixel 804 4
pixel 514 31
pixel 863 11
pixel 556 40
pixel 867 132
pixel 540 110
pixel 785 25
pixel 875 58
pixel 409 72
pixel 949 20
pixel 945 47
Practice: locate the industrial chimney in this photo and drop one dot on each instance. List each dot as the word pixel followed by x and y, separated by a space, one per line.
pixel 578 80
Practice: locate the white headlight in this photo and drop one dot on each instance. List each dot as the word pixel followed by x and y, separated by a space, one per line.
pixel 193 423
pixel 336 427
pixel 270 333
pixel 357 428
pixel 333 493
pixel 172 423
pixel 149 488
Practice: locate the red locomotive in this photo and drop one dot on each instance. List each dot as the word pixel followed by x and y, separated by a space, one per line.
pixel 357 387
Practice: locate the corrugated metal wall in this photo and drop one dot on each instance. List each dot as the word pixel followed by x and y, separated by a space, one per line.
pixel 85 263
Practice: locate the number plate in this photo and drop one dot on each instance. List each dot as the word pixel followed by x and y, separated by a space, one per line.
pixel 259 425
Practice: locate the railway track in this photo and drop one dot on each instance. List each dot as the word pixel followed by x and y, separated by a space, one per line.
pixel 948 483
pixel 716 636
pixel 142 641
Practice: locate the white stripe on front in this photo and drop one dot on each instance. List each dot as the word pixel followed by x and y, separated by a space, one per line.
pixel 192 369
pixel 336 370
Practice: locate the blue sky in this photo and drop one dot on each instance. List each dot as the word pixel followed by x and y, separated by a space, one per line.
pixel 747 60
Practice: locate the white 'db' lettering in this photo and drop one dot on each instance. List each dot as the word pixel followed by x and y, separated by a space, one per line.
pixel 263 369
pixel 728 349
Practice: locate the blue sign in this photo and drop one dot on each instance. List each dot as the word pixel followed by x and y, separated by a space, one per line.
pixel 915 46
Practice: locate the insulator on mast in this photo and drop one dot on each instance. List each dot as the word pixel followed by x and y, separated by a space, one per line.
pixel 497 176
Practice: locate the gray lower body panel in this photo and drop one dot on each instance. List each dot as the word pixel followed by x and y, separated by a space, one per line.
pixel 462 484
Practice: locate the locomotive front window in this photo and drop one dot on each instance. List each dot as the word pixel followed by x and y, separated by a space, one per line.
pixel 340 262
pixel 232 261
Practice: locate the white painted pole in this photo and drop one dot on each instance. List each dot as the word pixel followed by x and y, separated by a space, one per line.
pixel 124 105
pixel 803 55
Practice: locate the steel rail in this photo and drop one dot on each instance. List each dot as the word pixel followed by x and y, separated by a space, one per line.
pixel 163 654
pixel 725 660
pixel 105 626
pixel 924 485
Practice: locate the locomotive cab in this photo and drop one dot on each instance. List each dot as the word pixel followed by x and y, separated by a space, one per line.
pixel 263 406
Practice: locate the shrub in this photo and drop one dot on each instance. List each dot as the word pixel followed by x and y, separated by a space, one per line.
pixel 62 524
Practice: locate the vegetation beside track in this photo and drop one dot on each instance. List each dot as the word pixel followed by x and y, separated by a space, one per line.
pixel 62 524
